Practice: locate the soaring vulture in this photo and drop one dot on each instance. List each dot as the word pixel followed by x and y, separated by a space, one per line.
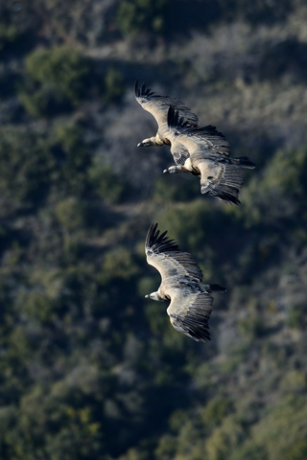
pixel 208 156
pixel 190 300
pixel 158 106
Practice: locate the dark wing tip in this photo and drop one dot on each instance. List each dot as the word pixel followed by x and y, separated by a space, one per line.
pixel 174 119
pixel 197 328
pixel 215 288
pixel 159 243
pixel 136 88
pixel 170 116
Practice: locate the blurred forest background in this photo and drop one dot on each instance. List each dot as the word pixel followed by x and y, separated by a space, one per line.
pixel 89 369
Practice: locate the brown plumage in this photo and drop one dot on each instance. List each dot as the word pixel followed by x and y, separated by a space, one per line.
pixel 190 300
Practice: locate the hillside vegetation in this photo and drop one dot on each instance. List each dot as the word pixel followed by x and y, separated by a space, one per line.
pixel 89 368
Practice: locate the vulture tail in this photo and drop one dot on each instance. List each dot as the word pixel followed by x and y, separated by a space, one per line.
pixel 214 288
pixel 245 162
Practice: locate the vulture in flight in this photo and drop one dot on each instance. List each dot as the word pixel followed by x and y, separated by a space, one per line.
pixel 207 154
pixel 190 300
pixel 158 106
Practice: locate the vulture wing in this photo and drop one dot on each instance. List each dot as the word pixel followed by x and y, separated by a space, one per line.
pixel 158 105
pixel 189 312
pixel 206 142
pixel 164 254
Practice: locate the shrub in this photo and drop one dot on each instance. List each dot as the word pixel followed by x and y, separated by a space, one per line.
pixel 141 16
pixel 55 79
pixel 113 85
pixel 70 213
pixel 26 164
pixel 104 182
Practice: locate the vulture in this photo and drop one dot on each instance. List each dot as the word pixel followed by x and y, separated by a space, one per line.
pixel 207 154
pixel 190 300
pixel 158 106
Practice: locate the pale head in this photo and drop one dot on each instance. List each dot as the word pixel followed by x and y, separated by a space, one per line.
pixel 147 143
pixel 155 296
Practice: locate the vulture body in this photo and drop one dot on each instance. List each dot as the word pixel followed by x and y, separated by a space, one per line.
pixel 190 300
pixel 208 155
pixel 200 151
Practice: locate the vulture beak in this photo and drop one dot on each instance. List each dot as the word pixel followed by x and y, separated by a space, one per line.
pixel 165 171
pixel 140 144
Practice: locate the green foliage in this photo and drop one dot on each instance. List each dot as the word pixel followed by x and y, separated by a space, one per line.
pixel 285 417
pixel 297 316
pixel 37 306
pixel 55 79
pixel 298 451
pixel 252 326
pixel 215 411
pixel 224 439
pixel 8 33
pixel 105 184
pixel 284 176
pixel 15 24
pixel 141 16
pixel 26 164
pixel 113 85
pixel 70 213
pixel 118 263
pixel 73 157
pixel 175 190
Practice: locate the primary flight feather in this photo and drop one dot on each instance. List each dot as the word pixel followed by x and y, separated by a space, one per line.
pixel 190 300
pixel 158 106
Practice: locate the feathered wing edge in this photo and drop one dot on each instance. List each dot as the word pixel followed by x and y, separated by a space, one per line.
pixel 142 91
pixel 226 185
pixel 160 244
pixel 146 93
pixel 195 323
pixel 174 120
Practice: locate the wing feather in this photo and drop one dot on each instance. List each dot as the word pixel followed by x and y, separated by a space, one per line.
pixel 158 105
pixel 221 180
pixel 205 140
pixel 164 254
pixel 189 312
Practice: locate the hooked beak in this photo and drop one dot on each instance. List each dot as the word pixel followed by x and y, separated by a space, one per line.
pixel 165 171
pixel 147 296
pixel 140 144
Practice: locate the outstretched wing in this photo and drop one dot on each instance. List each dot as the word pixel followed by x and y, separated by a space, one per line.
pixel 189 312
pixel 205 141
pixel 158 105
pixel 164 254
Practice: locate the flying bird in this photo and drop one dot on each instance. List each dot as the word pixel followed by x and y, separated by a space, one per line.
pixel 207 154
pixel 190 300
pixel 158 106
